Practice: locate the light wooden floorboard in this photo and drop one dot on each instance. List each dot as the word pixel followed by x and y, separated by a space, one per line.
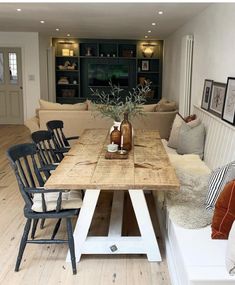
pixel 45 264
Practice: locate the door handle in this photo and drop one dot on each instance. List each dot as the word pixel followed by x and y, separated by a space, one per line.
pixel 21 87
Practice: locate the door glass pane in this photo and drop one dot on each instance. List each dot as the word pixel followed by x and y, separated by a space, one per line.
pixel 13 68
pixel 1 68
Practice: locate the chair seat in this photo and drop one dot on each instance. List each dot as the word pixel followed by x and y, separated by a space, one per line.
pixel 70 200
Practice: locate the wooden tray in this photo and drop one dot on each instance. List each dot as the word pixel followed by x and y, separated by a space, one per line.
pixel 115 155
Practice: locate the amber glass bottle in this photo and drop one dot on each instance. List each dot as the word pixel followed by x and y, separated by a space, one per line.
pixel 126 132
pixel 115 136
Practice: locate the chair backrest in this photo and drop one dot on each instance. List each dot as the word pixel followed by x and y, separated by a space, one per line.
pixel 47 150
pixel 56 127
pixel 25 163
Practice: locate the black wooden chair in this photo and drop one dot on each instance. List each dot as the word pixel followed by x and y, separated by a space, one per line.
pixel 39 202
pixel 56 127
pixel 49 154
pixel 49 157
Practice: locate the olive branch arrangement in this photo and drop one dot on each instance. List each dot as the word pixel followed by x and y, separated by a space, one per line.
pixel 113 105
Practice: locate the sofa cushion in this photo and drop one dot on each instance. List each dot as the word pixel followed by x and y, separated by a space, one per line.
pixel 224 214
pixel 165 106
pixel 219 177
pixel 230 251
pixel 148 107
pixel 145 108
pixel 92 106
pixel 45 105
pixel 33 124
pixel 191 139
pixel 70 200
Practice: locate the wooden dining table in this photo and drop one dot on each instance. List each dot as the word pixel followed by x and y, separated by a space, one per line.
pixel 146 168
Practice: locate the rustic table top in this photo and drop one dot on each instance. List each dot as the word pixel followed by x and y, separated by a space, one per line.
pixel 85 166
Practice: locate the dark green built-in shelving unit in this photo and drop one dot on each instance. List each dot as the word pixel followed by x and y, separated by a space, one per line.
pixel 75 57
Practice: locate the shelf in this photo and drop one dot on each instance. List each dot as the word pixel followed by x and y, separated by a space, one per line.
pixel 112 57
pixel 67 84
pixel 61 56
pixel 128 53
pixel 67 70
pixel 127 57
pixel 105 86
pixel 148 58
pixel 68 97
pixel 149 72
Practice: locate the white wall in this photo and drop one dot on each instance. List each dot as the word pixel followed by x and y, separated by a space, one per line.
pixel 214 51
pixel 29 44
pixel 44 45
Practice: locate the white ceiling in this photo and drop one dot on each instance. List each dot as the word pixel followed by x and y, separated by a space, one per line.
pixel 103 20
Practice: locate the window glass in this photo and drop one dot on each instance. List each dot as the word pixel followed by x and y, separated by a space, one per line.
pixel 13 68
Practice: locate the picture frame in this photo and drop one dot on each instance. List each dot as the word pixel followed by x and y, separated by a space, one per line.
pixel 145 65
pixel 228 113
pixel 217 98
pixel 206 94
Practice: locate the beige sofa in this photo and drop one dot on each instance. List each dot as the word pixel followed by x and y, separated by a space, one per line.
pixel 76 121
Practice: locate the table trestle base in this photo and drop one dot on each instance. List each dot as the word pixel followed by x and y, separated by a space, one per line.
pixel 114 243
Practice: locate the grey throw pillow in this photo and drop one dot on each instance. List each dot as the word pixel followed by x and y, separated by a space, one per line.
pixel 191 140
pixel 174 135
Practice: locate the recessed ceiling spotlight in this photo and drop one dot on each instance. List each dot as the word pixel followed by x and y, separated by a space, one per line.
pixel 42 22
pixel 57 29
pixel 68 35
pixel 153 24
pixel 18 10
pixel 160 12
pixel 149 31
pixel 146 37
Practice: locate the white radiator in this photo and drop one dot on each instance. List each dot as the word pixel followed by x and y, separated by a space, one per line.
pixel 186 75
pixel 220 139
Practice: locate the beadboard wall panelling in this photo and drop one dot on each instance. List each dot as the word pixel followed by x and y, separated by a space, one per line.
pixel 220 139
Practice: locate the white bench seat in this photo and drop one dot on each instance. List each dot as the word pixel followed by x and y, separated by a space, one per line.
pixel 193 258
pixel 198 259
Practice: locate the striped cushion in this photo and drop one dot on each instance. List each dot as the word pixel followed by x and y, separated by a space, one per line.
pixel 218 178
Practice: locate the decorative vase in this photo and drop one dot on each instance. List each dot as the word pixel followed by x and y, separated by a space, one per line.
pixel 126 133
pixel 115 136
pixel 115 123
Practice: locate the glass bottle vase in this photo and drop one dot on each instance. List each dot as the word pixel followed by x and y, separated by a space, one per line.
pixel 126 132
pixel 115 136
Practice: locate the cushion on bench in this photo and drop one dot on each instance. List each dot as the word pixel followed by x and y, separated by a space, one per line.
pixel 70 200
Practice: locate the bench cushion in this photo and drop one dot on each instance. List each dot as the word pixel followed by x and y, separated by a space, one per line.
pixel 186 207
pixel 70 200
pixel 200 260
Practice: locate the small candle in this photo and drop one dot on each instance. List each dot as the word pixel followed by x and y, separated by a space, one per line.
pixel 121 141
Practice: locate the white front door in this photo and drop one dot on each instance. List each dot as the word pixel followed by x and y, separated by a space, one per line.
pixel 11 95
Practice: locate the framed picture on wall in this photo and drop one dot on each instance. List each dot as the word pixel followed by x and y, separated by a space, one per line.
pixel 228 113
pixel 206 94
pixel 217 98
pixel 145 65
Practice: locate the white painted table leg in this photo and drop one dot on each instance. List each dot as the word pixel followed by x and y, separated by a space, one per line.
pixel 145 224
pixel 84 221
pixel 115 227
